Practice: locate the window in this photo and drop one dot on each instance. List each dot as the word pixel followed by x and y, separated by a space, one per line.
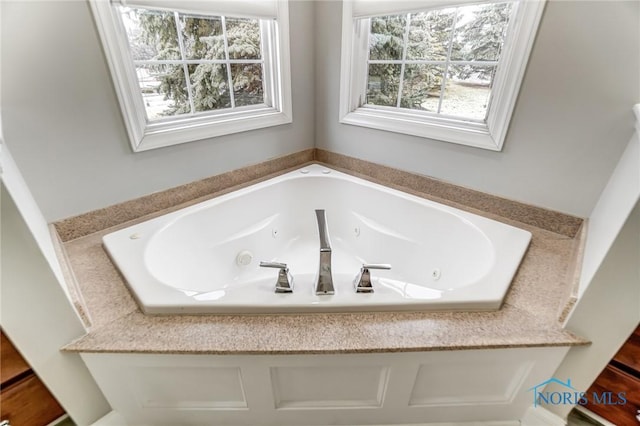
pixel 184 71
pixel 450 73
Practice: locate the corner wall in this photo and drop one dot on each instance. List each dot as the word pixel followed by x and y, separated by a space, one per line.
pixel 35 311
pixel 62 119
pixel 607 313
pixel 610 213
pixel 571 123
pixel 608 308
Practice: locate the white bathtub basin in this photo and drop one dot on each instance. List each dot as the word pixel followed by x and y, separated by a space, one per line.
pixel 442 258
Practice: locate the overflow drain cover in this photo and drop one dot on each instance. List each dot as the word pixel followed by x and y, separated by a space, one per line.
pixel 244 258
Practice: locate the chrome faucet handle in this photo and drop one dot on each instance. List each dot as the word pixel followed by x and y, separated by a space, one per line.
pixel 362 283
pixel 285 279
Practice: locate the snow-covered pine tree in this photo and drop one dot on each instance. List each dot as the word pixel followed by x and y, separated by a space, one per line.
pixel 203 38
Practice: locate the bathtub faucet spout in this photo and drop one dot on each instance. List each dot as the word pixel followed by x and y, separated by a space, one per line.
pixel 325 280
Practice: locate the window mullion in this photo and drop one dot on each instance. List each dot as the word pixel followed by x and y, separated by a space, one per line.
pixel 362 98
pixel 266 95
pixel 267 83
pixel 199 61
pixel 429 62
pixel 226 56
pixel 446 66
pixel 405 40
pixel 185 68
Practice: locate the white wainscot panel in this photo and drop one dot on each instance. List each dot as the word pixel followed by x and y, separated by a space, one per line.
pixel 483 386
pixel 330 386
pixel 187 387
pixel 457 382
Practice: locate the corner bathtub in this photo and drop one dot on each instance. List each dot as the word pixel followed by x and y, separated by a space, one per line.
pixel 205 258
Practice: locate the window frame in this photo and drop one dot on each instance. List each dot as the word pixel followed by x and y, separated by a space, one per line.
pixel 145 135
pixel 506 84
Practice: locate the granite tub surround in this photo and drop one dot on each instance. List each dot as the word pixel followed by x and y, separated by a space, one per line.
pixel 422 186
pixel 163 201
pixel 450 194
pixel 573 273
pixel 528 317
pixel 70 280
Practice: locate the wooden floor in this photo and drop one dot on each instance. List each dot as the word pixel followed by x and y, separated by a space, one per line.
pixel 24 399
pixel 620 376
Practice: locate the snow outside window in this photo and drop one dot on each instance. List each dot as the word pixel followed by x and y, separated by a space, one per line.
pixel 450 72
pixel 185 72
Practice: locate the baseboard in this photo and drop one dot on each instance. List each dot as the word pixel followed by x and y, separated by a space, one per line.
pixel 594 416
pixel 114 419
pixel 111 419
pixel 59 420
pixel 482 423
pixel 536 416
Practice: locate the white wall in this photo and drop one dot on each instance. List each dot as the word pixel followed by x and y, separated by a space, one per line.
pixel 571 123
pixel 29 210
pixel 607 313
pixel 62 121
pixel 608 309
pixel 35 311
pixel 610 213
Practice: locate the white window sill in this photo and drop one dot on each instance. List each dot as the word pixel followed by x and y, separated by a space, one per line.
pixel 159 135
pixel 438 128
